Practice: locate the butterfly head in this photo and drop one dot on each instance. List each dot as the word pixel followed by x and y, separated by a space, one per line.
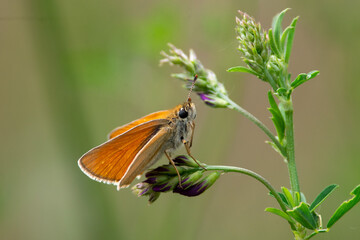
pixel 187 111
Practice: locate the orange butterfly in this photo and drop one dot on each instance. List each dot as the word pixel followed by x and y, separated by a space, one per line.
pixel 134 147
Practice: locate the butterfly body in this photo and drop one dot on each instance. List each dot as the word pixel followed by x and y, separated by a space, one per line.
pixel 134 147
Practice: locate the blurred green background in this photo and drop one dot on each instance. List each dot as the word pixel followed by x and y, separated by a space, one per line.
pixel 71 71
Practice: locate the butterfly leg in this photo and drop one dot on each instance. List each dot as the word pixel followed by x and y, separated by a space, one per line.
pixel 187 147
pixel 172 163
pixel 192 134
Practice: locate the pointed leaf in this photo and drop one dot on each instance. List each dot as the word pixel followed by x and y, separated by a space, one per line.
pixel 297 198
pixel 274 47
pixel 303 77
pixel 303 216
pixel 277 117
pixel 290 40
pixel 288 196
pixel 272 102
pixel 278 123
pixel 242 69
pixel 276 26
pixel 284 37
pixel 322 196
pixel 345 206
pixel 283 198
pixel 303 198
pixel 280 213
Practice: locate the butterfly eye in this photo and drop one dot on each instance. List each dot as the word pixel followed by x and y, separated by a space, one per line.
pixel 183 113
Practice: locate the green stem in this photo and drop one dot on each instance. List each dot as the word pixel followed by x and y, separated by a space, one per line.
pixel 287 108
pixel 256 121
pixel 317 232
pixel 253 175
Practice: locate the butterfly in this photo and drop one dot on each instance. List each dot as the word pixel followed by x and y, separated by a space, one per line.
pixel 136 146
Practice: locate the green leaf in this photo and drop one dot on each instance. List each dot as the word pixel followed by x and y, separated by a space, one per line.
pixel 288 196
pixel 283 198
pixel 345 206
pixel 322 196
pixel 297 198
pixel 289 40
pixel 272 102
pixel 242 69
pixel 303 216
pixel 278 123
pixel 284 37
pixel 276 26
pixel 303 198
pixel 273 46
pixel 303 77
pixel 280 213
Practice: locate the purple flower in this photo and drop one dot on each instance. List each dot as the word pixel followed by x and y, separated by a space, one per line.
pixel 164 179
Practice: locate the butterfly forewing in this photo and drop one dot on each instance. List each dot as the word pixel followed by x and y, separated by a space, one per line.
pixel 156 115
pixel 146 156
pixel 110 161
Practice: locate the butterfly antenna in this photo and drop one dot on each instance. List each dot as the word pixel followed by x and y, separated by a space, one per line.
pixel 191 88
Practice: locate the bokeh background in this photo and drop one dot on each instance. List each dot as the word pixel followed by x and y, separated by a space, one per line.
pixel 71 71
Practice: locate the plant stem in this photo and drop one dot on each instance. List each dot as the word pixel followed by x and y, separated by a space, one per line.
pixel 253 175
pixel 256 121
pixel 287 107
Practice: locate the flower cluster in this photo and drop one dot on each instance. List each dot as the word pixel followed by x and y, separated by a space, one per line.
pixel 210 90
pixel 253 43
pixel 165 179
pixel 267 54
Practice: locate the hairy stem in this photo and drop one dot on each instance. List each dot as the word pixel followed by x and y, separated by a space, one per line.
pixel 290 146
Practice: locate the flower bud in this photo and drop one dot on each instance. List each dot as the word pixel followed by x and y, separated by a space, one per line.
pixel 144 189
pixel 191 179
pixel 207 85
pixel 184 160
pixel 253 43
pixel 164 170
pixel 166 186
pixel 156 179
pixel 153 197
pixel 199 187
pixel 213 101
pixel 141 189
